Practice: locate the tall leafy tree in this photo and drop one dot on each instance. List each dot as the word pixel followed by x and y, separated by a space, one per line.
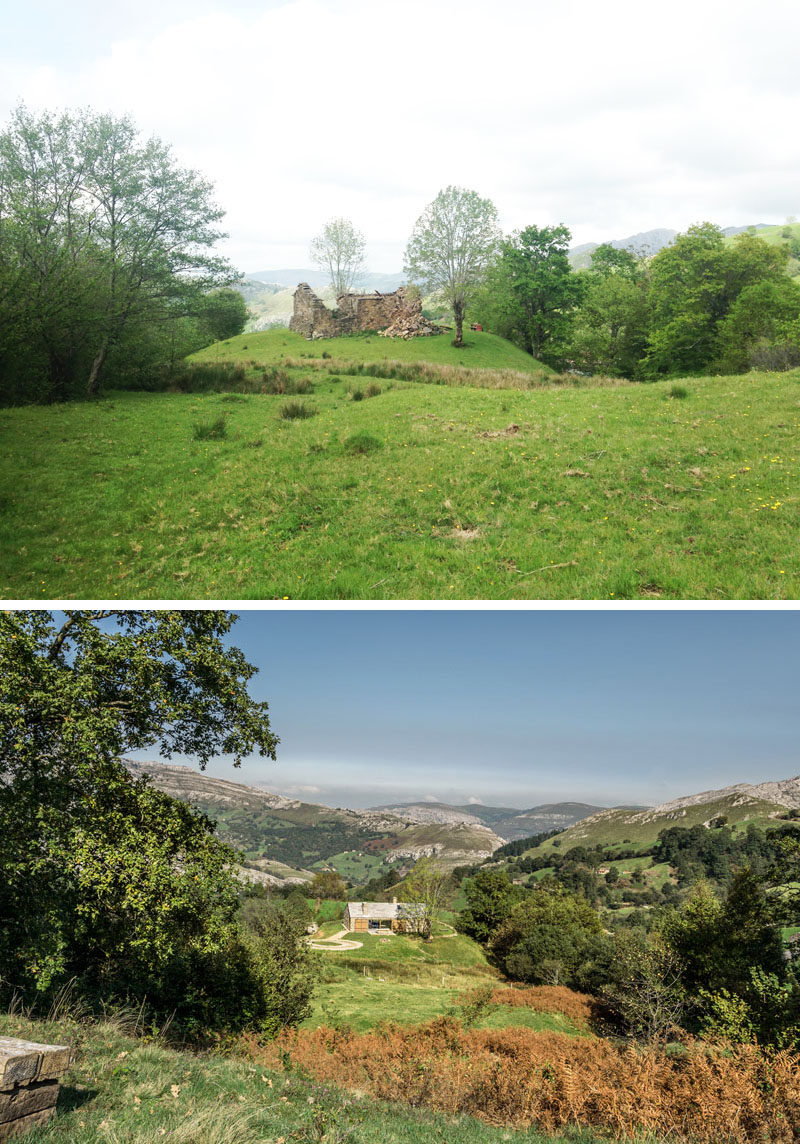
pixel 423 892
pixel 546 936
pixel 763 318
pixel 694 284
pixel 611 325
pixel 531 292
pixel 451 245
pixel 341 250
pixel 491 896
pixel 100 231
pixel 105 879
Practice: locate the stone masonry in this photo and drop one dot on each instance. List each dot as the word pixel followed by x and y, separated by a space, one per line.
pixel 29 1081
pixel 356 313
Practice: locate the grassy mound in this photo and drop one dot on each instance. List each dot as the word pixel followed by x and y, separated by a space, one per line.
pixel 594 492
pixel 481 350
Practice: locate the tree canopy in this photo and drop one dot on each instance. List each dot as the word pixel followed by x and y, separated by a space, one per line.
pixel 341 250
pixel 104 241
pixel 451 246
pixel 531 292
pixel 105 879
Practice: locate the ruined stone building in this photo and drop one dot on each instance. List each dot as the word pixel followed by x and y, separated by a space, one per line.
pixel 394 315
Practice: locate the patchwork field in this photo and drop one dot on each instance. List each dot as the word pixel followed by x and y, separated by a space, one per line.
pixel 397 489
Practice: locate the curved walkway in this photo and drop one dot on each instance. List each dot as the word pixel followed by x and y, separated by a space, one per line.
pixel 336 941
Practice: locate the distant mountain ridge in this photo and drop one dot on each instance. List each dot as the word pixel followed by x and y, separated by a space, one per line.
pixel 286 839
pixel 739 804
pixel 509 822
pixel 647 242
pixel 319 279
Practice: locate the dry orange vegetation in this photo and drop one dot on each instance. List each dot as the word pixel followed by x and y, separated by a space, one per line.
pixel 706 1095
pixel 579 1007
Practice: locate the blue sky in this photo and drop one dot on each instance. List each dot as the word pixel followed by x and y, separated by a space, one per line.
pixel 612 118
pixel 521 707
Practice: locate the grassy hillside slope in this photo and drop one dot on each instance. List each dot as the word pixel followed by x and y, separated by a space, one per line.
pixel 777 236
pixel 422 491
pixel 125 1089
pixel 641 828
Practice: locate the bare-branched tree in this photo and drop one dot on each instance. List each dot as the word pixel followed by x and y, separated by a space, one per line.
pixel 340 249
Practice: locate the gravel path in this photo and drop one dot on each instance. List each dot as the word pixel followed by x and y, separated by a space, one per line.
pixel 337 941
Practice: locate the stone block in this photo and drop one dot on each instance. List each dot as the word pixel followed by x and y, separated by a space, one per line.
pixel 27 1098
pixel 19 1061
pixel 23 1061
pixel 16 1127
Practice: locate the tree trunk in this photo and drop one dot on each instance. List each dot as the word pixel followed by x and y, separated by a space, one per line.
pixel 458 315
pixel 97 368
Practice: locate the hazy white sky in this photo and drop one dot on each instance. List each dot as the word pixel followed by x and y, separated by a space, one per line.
pixel 612 118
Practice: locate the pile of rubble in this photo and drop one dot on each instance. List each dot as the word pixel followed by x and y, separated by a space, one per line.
pixel 410 323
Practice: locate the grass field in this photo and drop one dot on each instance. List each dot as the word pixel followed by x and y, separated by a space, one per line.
pixel 353 865
pixel 407 980
pixel 422 491
pixel 124 1090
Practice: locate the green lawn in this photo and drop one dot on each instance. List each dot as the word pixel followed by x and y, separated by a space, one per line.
pixel 407 980
pixel 365 1002
pixel 121 1090
pixel 609 493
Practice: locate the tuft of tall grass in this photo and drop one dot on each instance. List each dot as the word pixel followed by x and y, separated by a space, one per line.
pixel 275 379
pixel 296 411
pixel 215 430
pixel 362 443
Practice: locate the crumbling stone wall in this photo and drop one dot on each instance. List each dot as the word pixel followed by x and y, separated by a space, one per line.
pixel 354 313
pixel 370 311
pixel 311 316
pixel 29 1080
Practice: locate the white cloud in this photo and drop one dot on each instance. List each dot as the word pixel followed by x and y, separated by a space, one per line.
pixel 431 798
pixel 612 118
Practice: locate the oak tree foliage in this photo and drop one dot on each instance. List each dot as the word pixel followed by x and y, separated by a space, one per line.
pixel 105 879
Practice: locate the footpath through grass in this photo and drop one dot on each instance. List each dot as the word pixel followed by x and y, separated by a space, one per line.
pixel 123 1090
pixel 421 491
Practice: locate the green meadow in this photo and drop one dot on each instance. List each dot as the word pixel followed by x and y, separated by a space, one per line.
pixel 501 481
pixel 410 981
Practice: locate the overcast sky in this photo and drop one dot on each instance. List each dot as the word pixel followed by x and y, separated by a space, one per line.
pixel 612 118
pixel 518 708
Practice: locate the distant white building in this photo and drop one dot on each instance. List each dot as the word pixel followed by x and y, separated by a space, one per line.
pixel 371 917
